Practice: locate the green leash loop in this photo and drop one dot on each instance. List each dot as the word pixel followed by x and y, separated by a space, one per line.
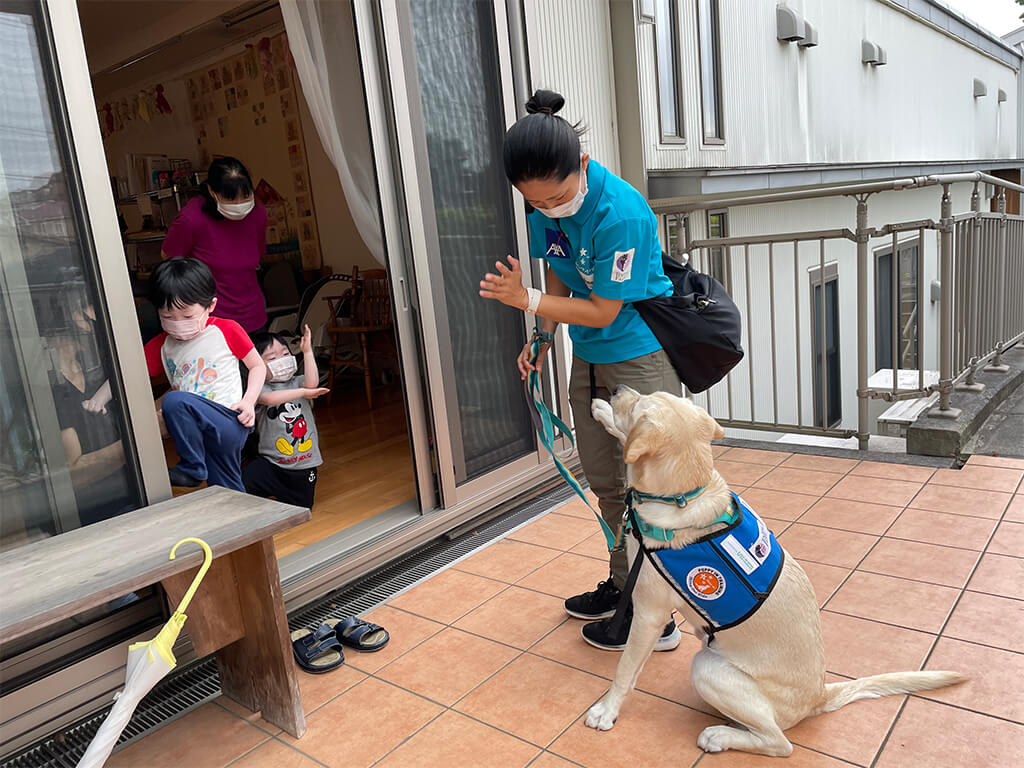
pixel 545 422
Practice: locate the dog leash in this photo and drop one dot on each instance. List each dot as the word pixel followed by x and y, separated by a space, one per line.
pixel 545 422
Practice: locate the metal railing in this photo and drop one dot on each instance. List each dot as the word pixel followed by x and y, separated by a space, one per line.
pixel 980 269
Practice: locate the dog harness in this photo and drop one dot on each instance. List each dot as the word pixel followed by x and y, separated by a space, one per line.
pixel 724 576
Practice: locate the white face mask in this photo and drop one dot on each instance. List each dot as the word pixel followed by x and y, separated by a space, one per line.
pixel 236 211
pixel 183 330
pixel 283 368
pixel 572 207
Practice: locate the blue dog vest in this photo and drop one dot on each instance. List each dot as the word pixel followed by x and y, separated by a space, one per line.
pixel 727 575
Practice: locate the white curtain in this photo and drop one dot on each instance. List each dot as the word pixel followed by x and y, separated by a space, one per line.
pixel 323 43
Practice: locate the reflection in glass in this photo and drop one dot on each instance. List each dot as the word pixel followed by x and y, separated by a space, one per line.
pixel 710 98
pixel 460 84
pixel 62 426
pixel 667 49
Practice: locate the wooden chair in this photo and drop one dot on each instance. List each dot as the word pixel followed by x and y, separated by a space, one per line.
pixel 369 313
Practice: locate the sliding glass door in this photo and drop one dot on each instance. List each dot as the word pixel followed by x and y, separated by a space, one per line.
pixel 450 79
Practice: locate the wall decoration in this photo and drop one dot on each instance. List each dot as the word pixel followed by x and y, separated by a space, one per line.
pixel 252 70
pixel 222 127
pixel 239 69
pixel 215 82
pixel 296 157
pixel 226 75
pixel 292 131
pixel 162 105
pixel 287 104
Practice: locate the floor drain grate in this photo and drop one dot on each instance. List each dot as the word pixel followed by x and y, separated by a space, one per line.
pixel 194 685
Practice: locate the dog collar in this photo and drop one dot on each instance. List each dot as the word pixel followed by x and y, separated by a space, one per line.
pixel 634 498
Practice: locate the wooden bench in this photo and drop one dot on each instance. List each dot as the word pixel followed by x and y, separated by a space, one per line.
pixel 237 613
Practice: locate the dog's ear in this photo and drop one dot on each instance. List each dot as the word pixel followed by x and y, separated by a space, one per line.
pixel 644 438
pixel 716 431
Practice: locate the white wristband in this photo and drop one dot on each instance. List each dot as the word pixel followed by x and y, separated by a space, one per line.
pixel 534 295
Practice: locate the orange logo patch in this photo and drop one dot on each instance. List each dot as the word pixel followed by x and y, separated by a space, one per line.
pixel 706 583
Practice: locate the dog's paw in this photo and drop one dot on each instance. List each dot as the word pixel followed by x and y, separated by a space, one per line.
pixel 602 411
pixel 603 414
pixel 716 738
pixel 601 717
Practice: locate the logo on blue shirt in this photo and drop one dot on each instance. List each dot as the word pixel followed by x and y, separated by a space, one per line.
pixel 557 245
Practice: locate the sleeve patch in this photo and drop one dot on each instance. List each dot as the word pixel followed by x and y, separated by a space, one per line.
pixel 622 266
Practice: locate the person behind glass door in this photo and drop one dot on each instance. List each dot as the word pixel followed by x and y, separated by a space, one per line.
pixel 208 412
pixel 226 229
pixel 600 240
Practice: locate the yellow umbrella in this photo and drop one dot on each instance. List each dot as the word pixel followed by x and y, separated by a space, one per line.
pixel 147 664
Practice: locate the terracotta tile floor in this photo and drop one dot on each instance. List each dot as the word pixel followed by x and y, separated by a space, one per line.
pixel 914 569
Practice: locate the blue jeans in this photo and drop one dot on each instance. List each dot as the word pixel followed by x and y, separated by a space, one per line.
pixel 209 438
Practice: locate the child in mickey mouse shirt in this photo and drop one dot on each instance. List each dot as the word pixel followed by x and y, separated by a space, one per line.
pixel 289 451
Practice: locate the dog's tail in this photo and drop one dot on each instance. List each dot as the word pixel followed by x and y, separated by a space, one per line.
pixel 840 694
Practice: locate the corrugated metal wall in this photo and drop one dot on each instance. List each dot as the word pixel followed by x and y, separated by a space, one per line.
pixel 788 105
pixel 569 43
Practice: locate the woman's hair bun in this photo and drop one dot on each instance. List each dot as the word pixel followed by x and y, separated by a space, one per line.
pixel 547 102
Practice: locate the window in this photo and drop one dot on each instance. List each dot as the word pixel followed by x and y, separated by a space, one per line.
pixel 710 71
pixel 65 452
pixel 675 236
pixel 907 255
pixel 828 411
pixel 718 267
pixel 666 45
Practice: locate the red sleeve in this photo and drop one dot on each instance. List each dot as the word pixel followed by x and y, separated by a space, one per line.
pixel 180 235
pixel 238 340
pixel 154 360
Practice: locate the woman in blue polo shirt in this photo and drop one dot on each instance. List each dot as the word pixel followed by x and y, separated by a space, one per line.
pixel 600 240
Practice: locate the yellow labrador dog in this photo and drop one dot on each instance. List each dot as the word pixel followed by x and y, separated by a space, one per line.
pixel 767 673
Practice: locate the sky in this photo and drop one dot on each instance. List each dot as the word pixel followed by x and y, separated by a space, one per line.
pixel 999 16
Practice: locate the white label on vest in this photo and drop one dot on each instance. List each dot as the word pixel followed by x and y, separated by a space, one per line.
pixel 740 556
pixel 761 548
pixel 706 582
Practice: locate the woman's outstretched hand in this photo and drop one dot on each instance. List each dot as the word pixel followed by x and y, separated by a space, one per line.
pixel 507 285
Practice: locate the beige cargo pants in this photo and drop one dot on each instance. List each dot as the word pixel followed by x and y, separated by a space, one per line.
pixel 600 453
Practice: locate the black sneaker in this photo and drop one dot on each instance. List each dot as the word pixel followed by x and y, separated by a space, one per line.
pixel 599 604
pixel 182 479
pixel 599 635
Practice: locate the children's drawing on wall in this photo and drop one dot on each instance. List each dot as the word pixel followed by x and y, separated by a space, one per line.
pixel 282 79
pixel 295 156
pixel 299 179
pixel 226 74
pixel 215 83
pixel 239 69
pixel 222 126
pixel 292 130
pixel 302 206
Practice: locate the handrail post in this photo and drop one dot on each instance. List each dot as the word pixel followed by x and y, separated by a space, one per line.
pixel 997 365
pixel 863 427
pixel 945 388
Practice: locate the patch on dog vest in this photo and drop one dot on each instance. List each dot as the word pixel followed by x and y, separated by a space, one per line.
pixel 725 577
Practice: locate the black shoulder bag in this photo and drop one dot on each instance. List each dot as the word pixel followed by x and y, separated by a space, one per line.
pixel 699 326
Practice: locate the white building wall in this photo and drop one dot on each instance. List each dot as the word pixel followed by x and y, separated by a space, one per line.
pixel 570 49
pixel 792 288
pixel 784 105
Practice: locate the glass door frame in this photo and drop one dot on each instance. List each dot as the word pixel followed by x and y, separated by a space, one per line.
pixel 65 695
pixel 399 55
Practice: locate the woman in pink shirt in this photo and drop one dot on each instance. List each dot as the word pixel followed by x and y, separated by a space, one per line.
pixel 225 229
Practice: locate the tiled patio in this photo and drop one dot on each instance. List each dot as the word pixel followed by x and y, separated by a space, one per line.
pixel 915 568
